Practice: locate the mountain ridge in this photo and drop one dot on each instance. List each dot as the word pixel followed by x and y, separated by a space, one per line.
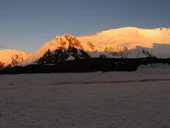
pixel 126 42
pixel 126 37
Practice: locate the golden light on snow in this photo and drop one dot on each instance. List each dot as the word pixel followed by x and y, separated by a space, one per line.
pixel 127 37
pixel 7 55
pixel 113 40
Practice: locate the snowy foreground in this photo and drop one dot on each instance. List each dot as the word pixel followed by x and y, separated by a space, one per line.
pixel 138 99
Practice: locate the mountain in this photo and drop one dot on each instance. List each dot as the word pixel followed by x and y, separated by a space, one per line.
pixel 61 48
pixel 128 42
pixel 12 57
pixel 129 37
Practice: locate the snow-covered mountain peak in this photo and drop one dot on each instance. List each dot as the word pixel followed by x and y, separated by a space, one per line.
pixel 68 40
pixel 66 35
pixel 12 57
pixel 65 41
pixel 129 37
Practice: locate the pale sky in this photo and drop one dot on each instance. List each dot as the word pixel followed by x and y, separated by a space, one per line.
pixel 27 24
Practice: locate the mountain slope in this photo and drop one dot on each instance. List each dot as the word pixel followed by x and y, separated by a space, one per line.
pixel 12 57
pixel 129 37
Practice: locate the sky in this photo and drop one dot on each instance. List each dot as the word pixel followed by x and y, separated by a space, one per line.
pixel 27 24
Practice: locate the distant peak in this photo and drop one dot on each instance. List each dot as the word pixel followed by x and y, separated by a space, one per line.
pixel 66 35
pixel 68 40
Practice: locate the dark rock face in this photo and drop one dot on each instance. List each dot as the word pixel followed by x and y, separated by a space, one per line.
pixel 69 48
pixel 61 55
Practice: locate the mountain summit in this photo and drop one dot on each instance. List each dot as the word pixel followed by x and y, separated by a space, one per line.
pixel 61 48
